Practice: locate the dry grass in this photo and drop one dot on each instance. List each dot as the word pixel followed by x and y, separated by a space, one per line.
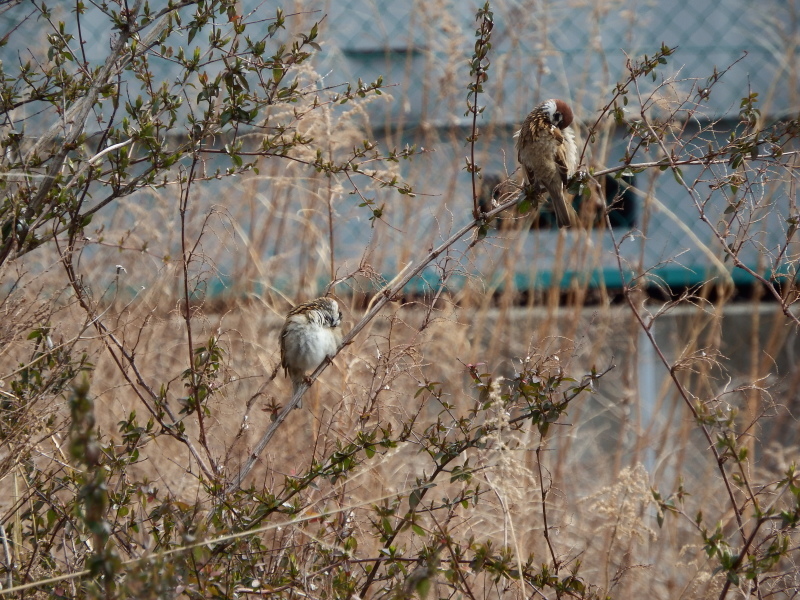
pixel 279 237
pixel 599 503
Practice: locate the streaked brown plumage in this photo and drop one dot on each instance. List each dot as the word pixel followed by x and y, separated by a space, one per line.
pixel 548 155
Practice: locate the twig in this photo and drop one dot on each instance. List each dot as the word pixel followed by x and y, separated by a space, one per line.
pixel 672 373
pixel 673 164
pixel 377 303
pixel 186 256
pixel 108 337
pixel 543 491
pixel 8 560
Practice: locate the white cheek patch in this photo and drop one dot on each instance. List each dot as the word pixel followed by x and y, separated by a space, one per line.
pixel 550 109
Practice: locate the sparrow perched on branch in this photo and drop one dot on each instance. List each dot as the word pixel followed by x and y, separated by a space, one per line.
pixel 547 152
pixel 310 335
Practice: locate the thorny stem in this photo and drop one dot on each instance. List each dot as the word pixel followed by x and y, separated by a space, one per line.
pixel 446 272
pixel 218 542
pixel 695 160
pixel 544 491
pixel 453 558
pixel 673 164
pixel 473 175
pixel 77 115
pixel 790 234
pixel 479 69
pixel 764 518
pixel 72 123
pixel 330 224
pixel 187 255
pixel 8 562
pixel 622 90
pixel 379 300
pixel 373 572
pixel 742 555
pixel 627 292
pixel 479 435
pixel 108 338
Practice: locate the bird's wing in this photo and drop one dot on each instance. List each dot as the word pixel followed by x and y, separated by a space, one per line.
pixel 523 137
pixel 561 163
pixel 282 338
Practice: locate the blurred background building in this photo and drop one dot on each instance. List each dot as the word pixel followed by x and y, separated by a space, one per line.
pixel 573 49
pixel 578 50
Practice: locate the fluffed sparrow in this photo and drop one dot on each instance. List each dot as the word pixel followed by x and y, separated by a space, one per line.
pixel 547 152
pixel 310 335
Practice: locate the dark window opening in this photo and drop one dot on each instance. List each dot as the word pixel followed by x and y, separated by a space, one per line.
pixel 620 200
pixel 381 52
pixel 620 203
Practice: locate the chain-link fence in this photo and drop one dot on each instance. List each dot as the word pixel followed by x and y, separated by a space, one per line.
pixel 579 50
pixel 574 49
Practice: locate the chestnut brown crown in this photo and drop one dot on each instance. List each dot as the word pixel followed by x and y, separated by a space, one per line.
pixel 558 112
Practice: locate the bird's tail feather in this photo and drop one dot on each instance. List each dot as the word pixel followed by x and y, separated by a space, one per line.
pixel 565 214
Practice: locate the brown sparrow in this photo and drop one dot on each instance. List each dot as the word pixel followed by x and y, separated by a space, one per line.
pixel 311 334
pixel 547 152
